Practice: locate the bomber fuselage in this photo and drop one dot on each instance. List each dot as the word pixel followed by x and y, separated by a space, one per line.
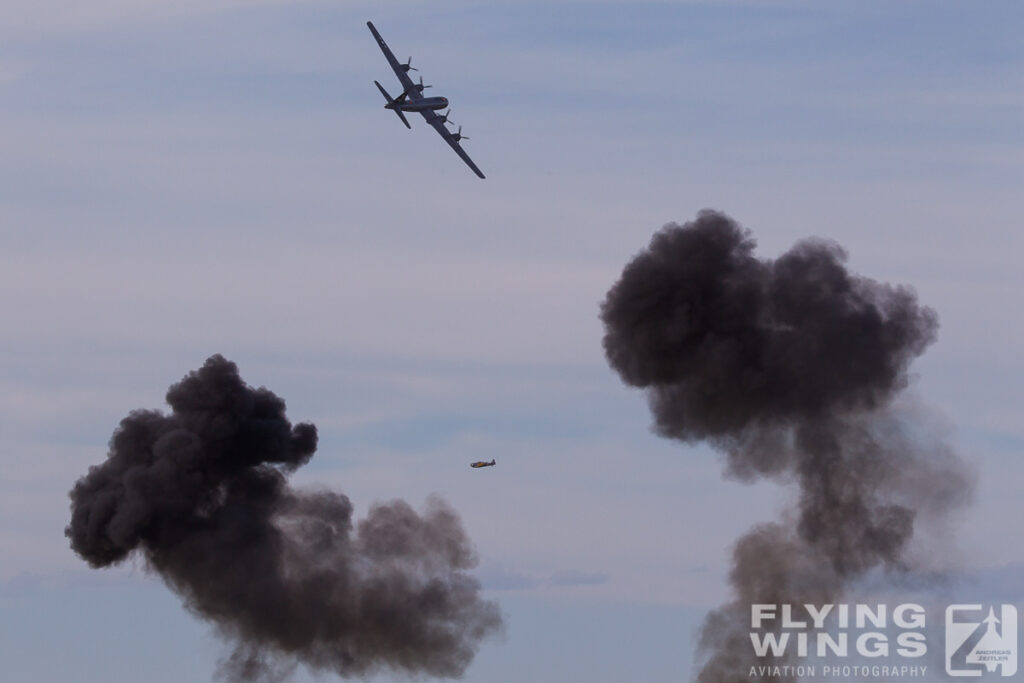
pixel 422 104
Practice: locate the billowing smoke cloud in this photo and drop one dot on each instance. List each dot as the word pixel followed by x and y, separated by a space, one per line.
pixel 202 495
pixel 790 368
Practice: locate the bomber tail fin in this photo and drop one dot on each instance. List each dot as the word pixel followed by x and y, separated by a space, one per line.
pixel 391 101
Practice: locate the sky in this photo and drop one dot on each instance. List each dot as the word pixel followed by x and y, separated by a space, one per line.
pixel 179 179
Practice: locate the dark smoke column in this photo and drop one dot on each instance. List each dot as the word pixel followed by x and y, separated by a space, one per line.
pixel 202 495
pixel 790 368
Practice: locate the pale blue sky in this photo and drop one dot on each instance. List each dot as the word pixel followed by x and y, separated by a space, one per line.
pixel 180 179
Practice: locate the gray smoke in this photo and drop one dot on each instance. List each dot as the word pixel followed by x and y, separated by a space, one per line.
pixel 202 496
pixel 789 367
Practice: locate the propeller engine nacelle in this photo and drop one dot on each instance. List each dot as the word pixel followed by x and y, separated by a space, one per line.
pixel 459 136
pixel 422 87
pixel 407 67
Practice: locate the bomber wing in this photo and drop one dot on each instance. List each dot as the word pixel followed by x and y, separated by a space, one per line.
pixel 449 137
pixel 411 91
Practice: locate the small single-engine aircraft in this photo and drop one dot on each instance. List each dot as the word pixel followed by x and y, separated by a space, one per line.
pixel 481 463
pixel 412 99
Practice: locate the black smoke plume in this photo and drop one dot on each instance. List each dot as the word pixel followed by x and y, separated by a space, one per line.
pixel 789 367
pixel 202 496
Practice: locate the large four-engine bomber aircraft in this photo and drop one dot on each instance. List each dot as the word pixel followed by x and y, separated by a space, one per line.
pixel 412 99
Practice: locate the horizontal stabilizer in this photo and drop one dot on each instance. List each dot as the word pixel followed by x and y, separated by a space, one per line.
pixel 391 101
pixel 402 116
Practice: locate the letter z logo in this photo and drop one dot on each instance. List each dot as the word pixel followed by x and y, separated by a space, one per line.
pixel 976 643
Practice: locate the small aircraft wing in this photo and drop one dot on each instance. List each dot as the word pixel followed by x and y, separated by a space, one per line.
pixel 438 124
pixel 411 91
